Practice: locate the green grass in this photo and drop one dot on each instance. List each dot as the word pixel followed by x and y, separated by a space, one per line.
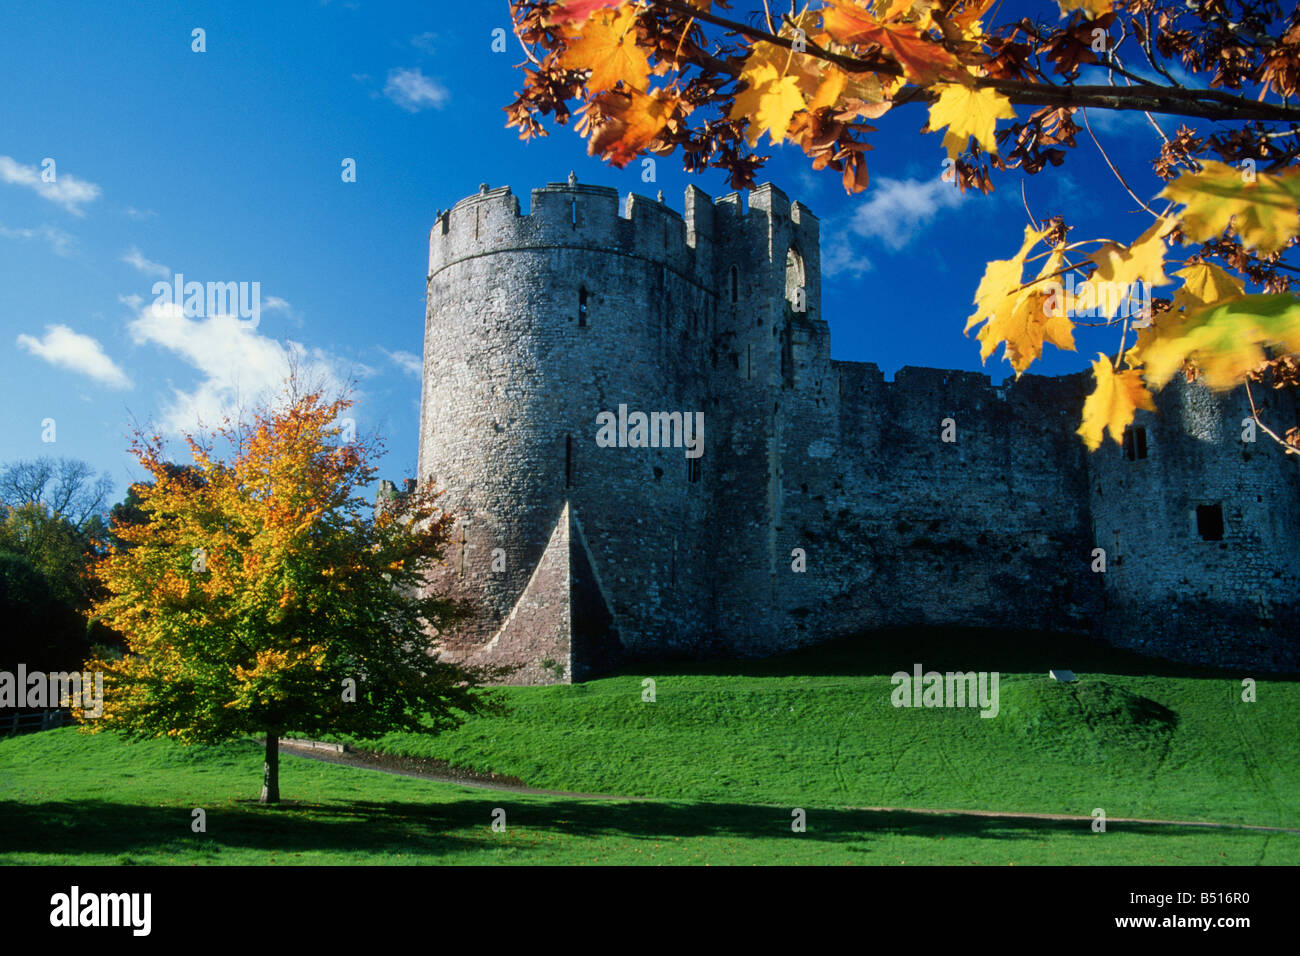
pixel 71 798
pixel 725 751
pixel 1135 737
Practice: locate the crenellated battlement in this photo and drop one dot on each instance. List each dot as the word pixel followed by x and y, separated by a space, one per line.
pixel 575 215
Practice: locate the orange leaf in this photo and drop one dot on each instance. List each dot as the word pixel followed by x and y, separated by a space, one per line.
pixel 923 61
pixel 623 124
pixel 607 45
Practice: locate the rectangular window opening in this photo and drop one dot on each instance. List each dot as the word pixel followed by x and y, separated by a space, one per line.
pixel 568 461
pixel 582 308
pixel 1209 522
pixel 1135 443
pixel 692 469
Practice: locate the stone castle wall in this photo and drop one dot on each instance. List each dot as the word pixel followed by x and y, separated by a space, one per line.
pixel 575 556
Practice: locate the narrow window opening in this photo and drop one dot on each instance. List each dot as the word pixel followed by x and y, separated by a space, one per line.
pixel 582 307
pixel 692 469
pixel 1209 522
pixel 735 284
pixel 787 355
pixel 1135 443
pixel 568 461
pixel 573 213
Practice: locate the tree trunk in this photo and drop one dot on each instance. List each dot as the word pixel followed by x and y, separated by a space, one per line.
pixel 271 769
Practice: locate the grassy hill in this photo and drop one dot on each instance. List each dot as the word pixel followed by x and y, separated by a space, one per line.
pixel 1136 737
pixel 725 752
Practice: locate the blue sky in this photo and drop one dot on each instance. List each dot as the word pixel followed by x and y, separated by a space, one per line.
pixel 225 166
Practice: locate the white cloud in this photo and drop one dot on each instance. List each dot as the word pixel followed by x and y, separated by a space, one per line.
pixel 79 353
pixel 841 256
pixel 136 260
pixel 60 242
pixel 413 91
pixel 273 302
pixel 893 214
pixel 134 213
pixel 133 301
pixel 238 366
pixel 69 191
pixel 896 210
pixel 406 361
pixel 424 41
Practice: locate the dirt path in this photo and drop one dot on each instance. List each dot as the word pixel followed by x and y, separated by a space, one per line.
pixel 439 770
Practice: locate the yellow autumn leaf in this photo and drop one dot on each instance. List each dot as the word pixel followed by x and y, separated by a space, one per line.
pixel 1204 283
pixel 1261 208
pixel 607 45
pixel 768 102
pixel 1022 318
pixel 1121 267
pixel 829 89
pixel 1225 340
pixel 1113 403
pixel 1001 278
pixel 1028 317
pixel 968 112
pixel 1093 8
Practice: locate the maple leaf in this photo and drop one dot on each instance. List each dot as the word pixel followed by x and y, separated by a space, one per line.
pixel 1263 212
pixel 1227 340
pixel 575 11
pixel 968 112
pixel 1204 283
pixel 1113 403
pixel 607 45
pixel 923 61
pixel 1091 8
pixel 624 123
pixel 1123 266
pixel 1021 317
pixel 768 102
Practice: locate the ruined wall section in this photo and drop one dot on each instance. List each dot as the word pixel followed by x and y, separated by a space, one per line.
pixel 1172 589
pixel 902 528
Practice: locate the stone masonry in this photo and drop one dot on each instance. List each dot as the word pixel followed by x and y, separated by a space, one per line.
pixel 826 501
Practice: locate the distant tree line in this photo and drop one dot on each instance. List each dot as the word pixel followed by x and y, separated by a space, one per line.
pixel 53 525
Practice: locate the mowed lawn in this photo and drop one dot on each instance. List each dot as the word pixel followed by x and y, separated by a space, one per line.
pixel 725 753
pixel 70 798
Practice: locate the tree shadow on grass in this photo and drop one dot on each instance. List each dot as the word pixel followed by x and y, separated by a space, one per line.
pixel 372 829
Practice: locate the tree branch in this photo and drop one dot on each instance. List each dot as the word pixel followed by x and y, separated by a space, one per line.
pixel 1145 97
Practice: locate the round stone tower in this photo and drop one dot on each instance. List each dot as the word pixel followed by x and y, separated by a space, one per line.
pixel 537 324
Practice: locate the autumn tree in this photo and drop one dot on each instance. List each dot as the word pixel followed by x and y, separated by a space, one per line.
pixel 261 593
pixel 660 76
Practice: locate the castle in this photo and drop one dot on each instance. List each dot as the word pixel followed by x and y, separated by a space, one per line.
pixel 568 351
